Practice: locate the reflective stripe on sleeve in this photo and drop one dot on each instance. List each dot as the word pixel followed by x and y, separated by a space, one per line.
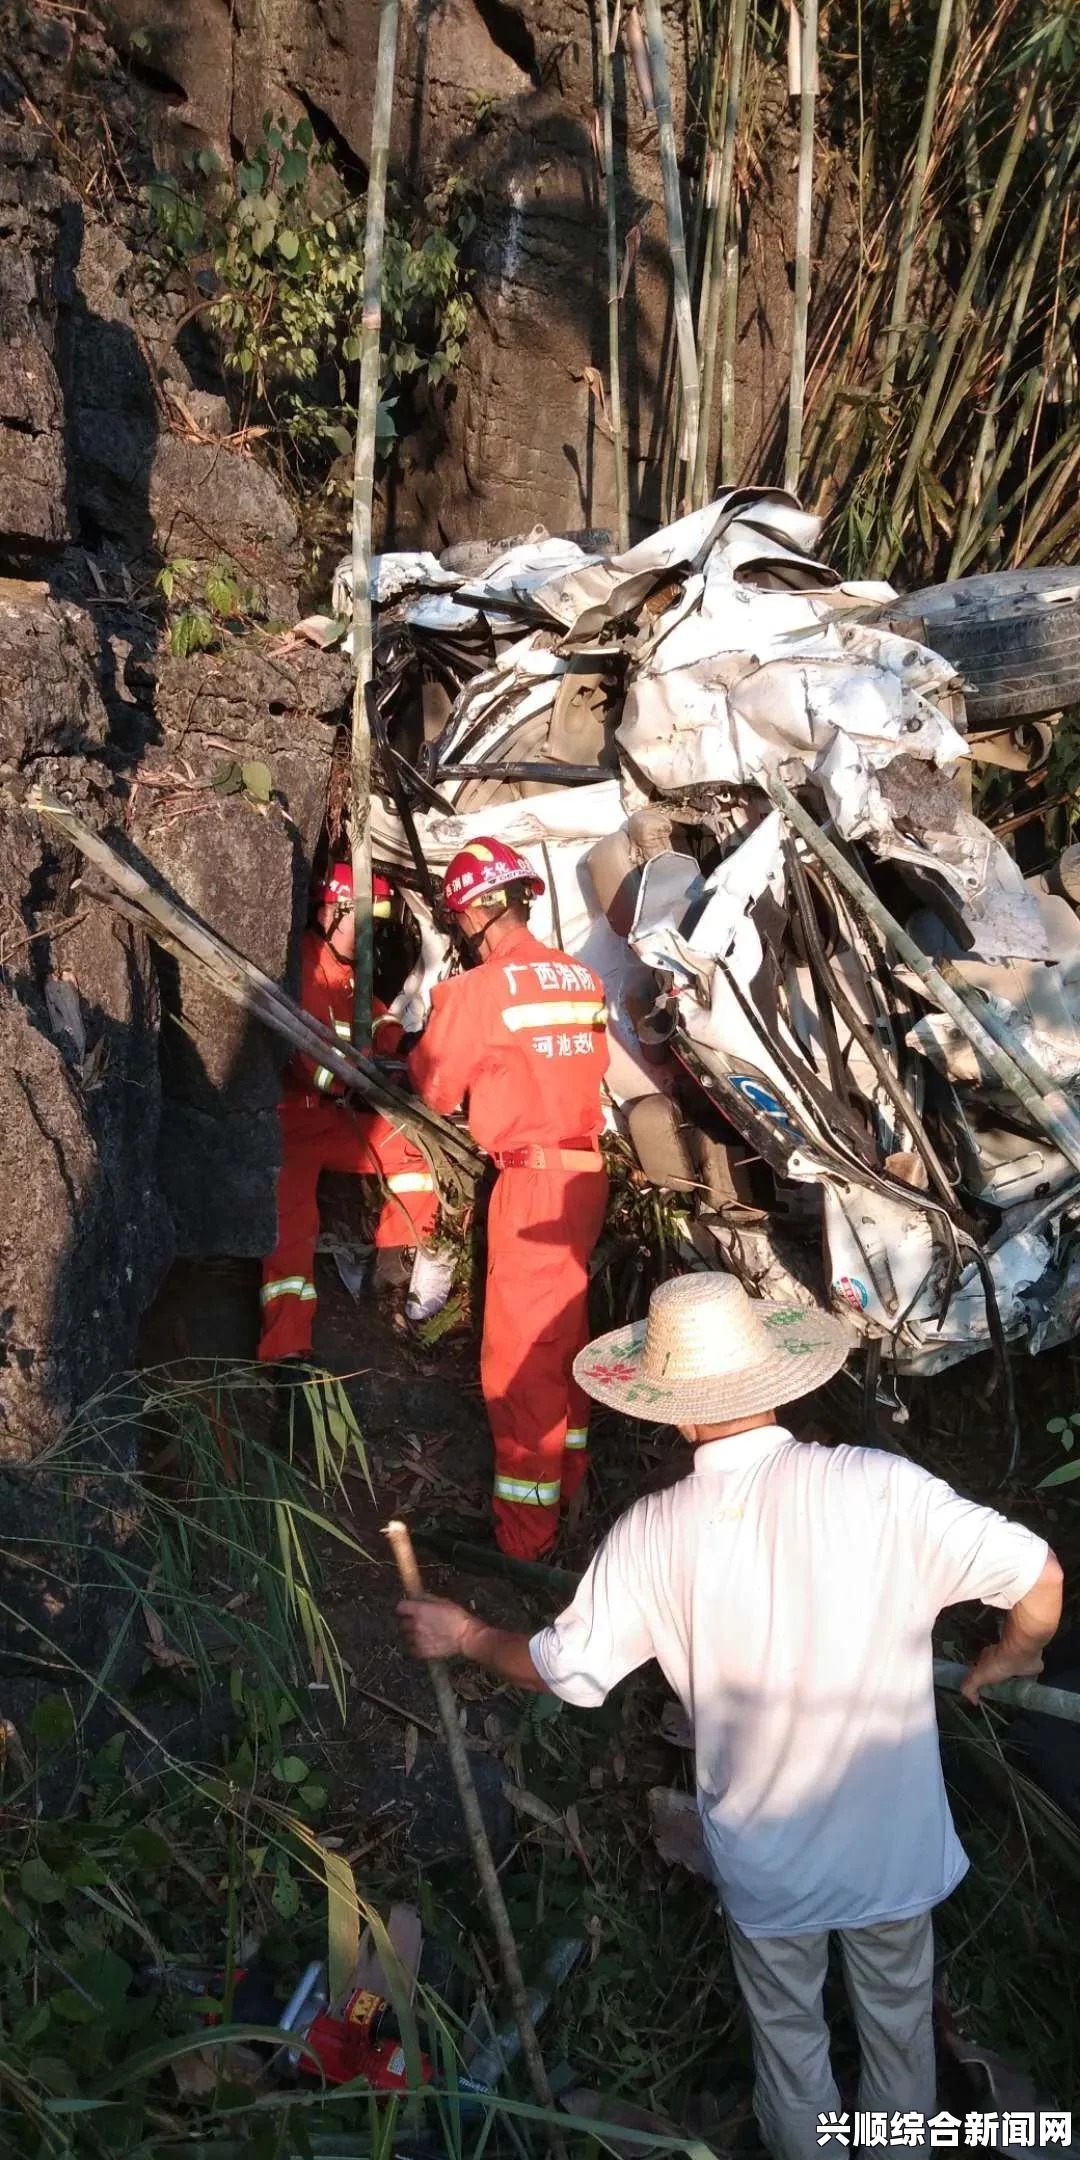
pixel 529 1493
pixel 324 1078
pixel 411 1181
pixel 289 1286
pixel 344 1029
pixel 576 1436
pixel 558 1012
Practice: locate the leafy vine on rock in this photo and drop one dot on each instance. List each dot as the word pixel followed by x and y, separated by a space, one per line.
pixel 271 254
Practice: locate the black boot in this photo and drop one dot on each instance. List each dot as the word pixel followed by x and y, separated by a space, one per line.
pixel 292 1377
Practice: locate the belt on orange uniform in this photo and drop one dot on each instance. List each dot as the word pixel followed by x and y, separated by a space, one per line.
pixel 573 1155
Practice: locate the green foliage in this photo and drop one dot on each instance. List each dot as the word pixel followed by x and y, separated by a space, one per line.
pixel 191 632
pixel 273 254
pixel 1063 771
pixel 214 600
pixel 1064 1430
pixel 218 1539
pixel 121 1923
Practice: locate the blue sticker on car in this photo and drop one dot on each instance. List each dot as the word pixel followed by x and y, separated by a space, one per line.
pixel 853 1292
pixel 765 1103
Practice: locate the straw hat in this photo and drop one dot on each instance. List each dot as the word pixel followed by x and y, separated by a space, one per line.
pixel 707 1353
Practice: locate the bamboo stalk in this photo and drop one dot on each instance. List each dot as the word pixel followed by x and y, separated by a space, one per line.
pixel 727 351
pixel 1044 1103
pixel 973 189
pixel 1050 341
pixel 804 214
pixel 1036 549
pixel 957 323
pixel 238 979
pixel 986 446
pixel 618 443
pixel 913 205
pixel 412 1584
pixel 1019 428
pixel 965 384
pixel 669 166
pixel 717 228
pixel 363 486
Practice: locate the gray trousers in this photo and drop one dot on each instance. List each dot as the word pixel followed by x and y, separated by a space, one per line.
pixel 888 1972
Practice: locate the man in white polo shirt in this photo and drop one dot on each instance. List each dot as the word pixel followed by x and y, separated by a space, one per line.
pixel 787 1592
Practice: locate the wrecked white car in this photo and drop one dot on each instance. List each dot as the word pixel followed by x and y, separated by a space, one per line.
pixel 841 1127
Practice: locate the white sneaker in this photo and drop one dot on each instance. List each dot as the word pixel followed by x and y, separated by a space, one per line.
pixel 431 1284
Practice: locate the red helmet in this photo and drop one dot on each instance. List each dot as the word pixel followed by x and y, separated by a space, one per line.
pixel 338 885
pixel 486 866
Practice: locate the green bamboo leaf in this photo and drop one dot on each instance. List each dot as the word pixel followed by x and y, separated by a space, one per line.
pixel 150 2060
pixel 1063 1475
pixel 343 1913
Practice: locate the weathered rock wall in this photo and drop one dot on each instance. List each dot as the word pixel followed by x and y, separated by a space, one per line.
pixel 243 868
pixel 136 1111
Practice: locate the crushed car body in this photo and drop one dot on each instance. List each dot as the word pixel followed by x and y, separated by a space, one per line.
pixel 833 1132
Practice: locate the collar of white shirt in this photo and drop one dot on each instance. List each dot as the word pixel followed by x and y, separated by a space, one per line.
pixel 739 1449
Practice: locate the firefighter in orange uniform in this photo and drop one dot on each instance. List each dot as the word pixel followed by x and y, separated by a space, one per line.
pixel 320 1130
pixel 521 1041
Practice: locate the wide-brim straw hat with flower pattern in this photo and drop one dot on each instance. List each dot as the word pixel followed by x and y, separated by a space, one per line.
pixel 708 1353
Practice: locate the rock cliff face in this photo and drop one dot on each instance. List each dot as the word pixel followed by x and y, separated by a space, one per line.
pixel 136 1115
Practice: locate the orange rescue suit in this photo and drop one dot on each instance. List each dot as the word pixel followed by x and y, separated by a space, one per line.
pixel 321 1132
pixel 521 1040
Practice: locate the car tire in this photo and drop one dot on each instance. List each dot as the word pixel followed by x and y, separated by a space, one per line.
pixel 1013 635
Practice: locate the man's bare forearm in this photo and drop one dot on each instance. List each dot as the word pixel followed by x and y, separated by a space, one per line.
pixel 499 1651
pixel 1028 1627
pixel 1030 1624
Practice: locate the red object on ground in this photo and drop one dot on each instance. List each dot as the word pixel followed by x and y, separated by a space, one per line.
pixel 350 2046
pixel 320 1132
pixel 522 1037
pixel 486 866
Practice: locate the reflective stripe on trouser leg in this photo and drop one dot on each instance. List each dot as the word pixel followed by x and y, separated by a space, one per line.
pixel 525 1495
pixel 542 1226
pixel 410 1206
pixel 288 1286
pixel 309 1130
